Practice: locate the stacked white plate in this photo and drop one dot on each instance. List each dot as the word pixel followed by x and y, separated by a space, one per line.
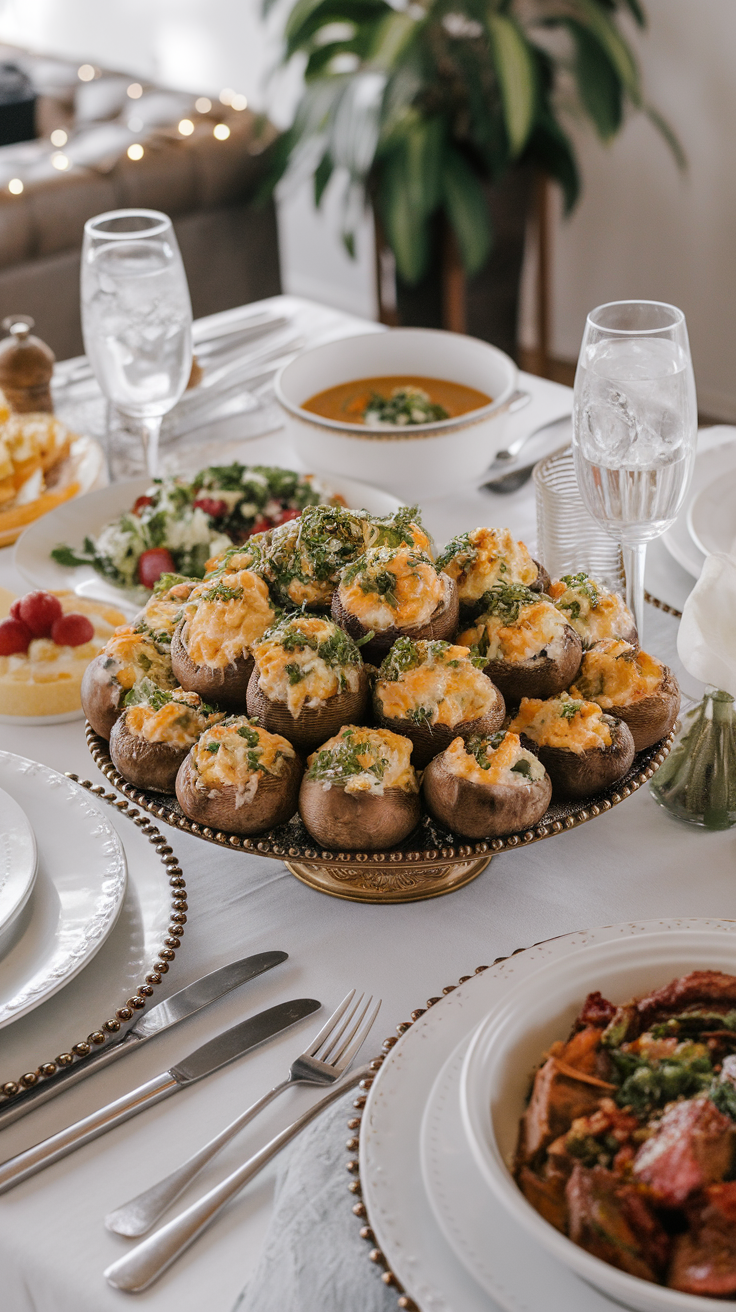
pixel 442 1116
pixel 707 521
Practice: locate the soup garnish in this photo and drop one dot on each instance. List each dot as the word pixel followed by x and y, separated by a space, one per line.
pixel 396 401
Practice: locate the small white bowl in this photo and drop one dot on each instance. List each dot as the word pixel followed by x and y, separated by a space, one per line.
pixel 420 460
pixel 508 1045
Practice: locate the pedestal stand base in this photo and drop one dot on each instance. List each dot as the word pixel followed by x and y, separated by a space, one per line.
pixel 360 882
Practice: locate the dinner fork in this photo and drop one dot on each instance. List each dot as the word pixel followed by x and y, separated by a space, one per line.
pixel 322 1062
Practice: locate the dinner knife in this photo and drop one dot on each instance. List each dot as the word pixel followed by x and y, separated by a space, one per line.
pixel 214 1054
pixel 178 1007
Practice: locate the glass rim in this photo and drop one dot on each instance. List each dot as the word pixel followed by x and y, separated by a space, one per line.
pixel 160 222
pixel 677 321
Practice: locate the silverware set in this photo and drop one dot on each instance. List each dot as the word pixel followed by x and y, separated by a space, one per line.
pixel 324 1061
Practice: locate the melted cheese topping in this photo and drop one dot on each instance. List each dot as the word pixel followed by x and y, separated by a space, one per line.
pixel 576 726
pixel 236 754
pixel 501 761
pixel 539 629
pixel 445 689
pixel 420 540
pixel 417 589
pixel 364 761
pixel 178 723
pixel 493 556
pixel 232 561
pixel 46 680
pixel 301 676
pixel 593 611
pixel 222 628
pixel 133 656
pixel 613 673
pixel 161 613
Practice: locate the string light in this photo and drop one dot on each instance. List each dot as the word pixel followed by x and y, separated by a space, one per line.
pixel 239 101
pixel 135 151
pixel 135 90
pixel 203 105
pixel 59 161
pixel 59 137
pixel 15 186
pixel 135 123
pixel 221 131
pixel 186 127
pixel 226 96
pixel 85 73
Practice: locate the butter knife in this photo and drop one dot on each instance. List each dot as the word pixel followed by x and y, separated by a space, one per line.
pixel 214 1054
pixel 154 1021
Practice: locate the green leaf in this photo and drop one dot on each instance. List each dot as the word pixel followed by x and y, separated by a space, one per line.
pixel 392 35
pixel 598 82
pixel 405 225
pixel 669 135
pixel 638 13
pixel 308 16
pixel 516 76
pixel 322 175
pixel 466 207
pixel 590 14
pixel 551 148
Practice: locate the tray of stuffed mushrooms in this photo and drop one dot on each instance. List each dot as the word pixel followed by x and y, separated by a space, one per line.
pixel 383 719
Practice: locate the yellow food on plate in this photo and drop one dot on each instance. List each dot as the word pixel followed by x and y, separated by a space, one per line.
pixel 36 474
pixel 46 679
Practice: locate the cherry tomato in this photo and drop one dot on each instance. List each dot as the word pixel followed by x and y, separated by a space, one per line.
pixel 211 506
pixel 14 637
pixel 261 525
pixel 39 611
pixel 284 516
pixel 140 503
pixel 152 564
pixel 72 630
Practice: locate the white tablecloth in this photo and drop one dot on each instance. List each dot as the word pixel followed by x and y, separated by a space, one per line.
pixel 633 862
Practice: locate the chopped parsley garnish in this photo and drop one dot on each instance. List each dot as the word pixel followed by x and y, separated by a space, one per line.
pixel 481 747
pixel 585 586
pixel 341 762
pixel 405 405
pixel 506 601
pixel 336 649
pixel 222 591
pixel 457 546
pixel 213 748
pixel 395 530
pixel 569 709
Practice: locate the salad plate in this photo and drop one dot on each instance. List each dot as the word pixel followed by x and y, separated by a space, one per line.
pixel 71 523
pixel 79 888
pixel 715 459
pixel 18 861
pixel 712 515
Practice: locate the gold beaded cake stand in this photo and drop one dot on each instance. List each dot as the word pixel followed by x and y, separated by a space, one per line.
pixel 431 862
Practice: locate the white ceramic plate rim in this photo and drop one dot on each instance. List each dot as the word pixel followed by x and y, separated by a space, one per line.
pixel 398 1208
pixel 57 968
pixel 699 522
pixel 713 454
pixel 657 945
pixel 32 552
pixel 20 857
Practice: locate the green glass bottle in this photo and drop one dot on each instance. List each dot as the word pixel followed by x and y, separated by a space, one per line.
pixel 697 782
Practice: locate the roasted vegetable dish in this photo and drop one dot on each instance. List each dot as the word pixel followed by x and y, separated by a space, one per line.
pixel 628 1143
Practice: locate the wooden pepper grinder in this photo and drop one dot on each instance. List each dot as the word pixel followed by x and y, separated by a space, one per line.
pixel 26 366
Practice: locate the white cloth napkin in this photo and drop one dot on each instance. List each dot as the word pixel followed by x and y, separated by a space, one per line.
pixel 314 1257
pixel 706 642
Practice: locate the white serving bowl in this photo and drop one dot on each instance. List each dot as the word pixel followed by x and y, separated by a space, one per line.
pixel 509 1043
pixel 421 460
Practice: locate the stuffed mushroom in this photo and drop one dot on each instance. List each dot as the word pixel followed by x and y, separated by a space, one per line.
pixel 360 791
pixel 583 749
pixel 487 785
pixel 127 660
pixel 239 778
pixel 529 648
pixel 211 651
pixel 390 592
pixel 632 686
pixel 304 557
pixel 485 557
pixel 308 679
pixel 593 611
pixel 163 610
pixel 154 733
pixel 432 692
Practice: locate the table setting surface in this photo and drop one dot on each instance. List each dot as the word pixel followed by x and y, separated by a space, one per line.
pixel 635 863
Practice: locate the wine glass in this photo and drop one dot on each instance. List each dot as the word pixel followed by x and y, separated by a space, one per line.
pixel 635 425
pixel 137 317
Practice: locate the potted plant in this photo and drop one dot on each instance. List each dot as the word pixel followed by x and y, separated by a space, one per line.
pixel 439 114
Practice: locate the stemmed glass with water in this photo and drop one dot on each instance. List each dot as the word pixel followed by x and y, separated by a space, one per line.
pixel 635 427
pixel 137 317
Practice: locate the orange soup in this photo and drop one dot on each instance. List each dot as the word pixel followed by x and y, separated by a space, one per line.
pixel 396 400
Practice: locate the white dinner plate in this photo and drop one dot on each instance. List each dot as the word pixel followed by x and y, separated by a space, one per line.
pixel 79 890
pixel 70 523
pixel 18 860
pixel 711 518
pixel 399 1210
pixel 716 458
pixel 84 465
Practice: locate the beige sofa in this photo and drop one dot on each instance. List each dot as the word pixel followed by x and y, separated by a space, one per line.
pixel 229 246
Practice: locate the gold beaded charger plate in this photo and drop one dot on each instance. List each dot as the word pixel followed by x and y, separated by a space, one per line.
pixel 444 1241
pixel 430 862
pixel 113 984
